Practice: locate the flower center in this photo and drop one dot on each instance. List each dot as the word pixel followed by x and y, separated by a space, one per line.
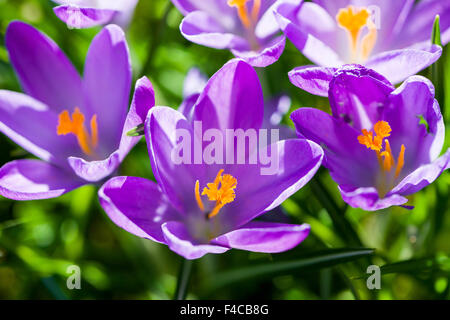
pixel 385 157
pixel 75 125
pixel 354 20
pixel 221 190
pixel 248 19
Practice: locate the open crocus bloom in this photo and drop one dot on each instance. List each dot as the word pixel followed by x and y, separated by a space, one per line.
pixel 390 37
pixel 200 206
pixel 88 13
pixel 247 27
pixel 381 143
pixel 76 126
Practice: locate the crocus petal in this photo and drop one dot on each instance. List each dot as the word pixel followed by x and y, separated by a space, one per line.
pixel 177 180
pixel 261 188
pixel 187 106
pixel 358 93
pixel 201 28
pixel 143 100
pixel 397 65
pixel 179 240
pixel 232 99
pixel 264 237
pixel 218 9
pixel 107 84
pixel 333 6
pixel 35 179
pixel 32 125
pixel 267 24
pixel 423 176
pixel 421 20
pixel 348 161
pixel 313 48
pixel 43 70
pixel 315 80
pixel 368 199
pixel 78 18
pixel 268 55
pixel 393 15
pixel 414 100
pixel 136 205
pixel 95 170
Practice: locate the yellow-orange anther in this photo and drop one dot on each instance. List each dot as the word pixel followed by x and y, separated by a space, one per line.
pixel 255 10
pixel 367 139
pixel 382 130
pixel 388 161
pixel 197 196
pixel 222 191
pixel 241 6
pixel 369 40
pixel 400 161
pixel 75 125
pixel 353 21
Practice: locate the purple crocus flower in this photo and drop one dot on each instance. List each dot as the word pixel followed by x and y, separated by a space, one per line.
pixel 88 13
pixel 390 37
pixel 75 126
pixel 381 143
pixel 176 212
pixel 247 27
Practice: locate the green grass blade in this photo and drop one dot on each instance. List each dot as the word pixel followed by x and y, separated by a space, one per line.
pixel 316 261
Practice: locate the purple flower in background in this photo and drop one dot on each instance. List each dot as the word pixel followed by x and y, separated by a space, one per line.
pixel 75 126
pixel 381 143
pixel 197 207
pixel 88 13
pixel 247 27
pixel 390 37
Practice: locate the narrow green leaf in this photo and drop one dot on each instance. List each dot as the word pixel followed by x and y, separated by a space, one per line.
pixel 337 214
pixel 436 34
pixel 436 69
pixel 316 261
pixel 136 131
pixel 414 266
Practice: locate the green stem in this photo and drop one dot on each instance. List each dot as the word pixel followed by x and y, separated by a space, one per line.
pixel 337 214
pixel 183 279
pixel 156 39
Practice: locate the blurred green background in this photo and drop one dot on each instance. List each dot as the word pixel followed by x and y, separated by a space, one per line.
pixel 40 239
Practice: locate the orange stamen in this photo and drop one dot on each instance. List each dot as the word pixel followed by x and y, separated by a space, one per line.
pixel 248 20
pixel 222 191
pixel 400 161
pixel 255 10
pixel 94 130
pixel 388 162
pixel 369 40
pixel 197 196
pixel 385 158
pixel 75 125
pixel 354 20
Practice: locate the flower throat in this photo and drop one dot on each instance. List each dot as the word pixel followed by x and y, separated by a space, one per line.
pixel 75 125
pixel 221 190
pixel 385 157
pixel 353 21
